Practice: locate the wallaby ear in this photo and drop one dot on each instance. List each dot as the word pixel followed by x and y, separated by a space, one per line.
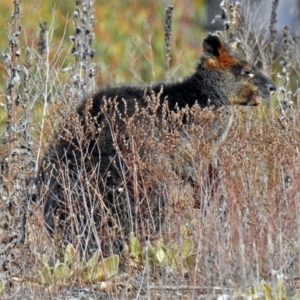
pixel 213 46
pixel 217 53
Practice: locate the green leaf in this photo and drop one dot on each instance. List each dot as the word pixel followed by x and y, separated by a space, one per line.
pixel 93 261
pixel 44 271
pixel 70 254
pixel 159 254
pixel 296 296
pixel 170 257
pixel 135 246
pixel 281 290
pixel 61 272
pixel 2 286
pixel 267 291
pixel 86 274
pixel 252 293
pixel 107 268
pixel 151 255
pixel 191 260
pixel 187 248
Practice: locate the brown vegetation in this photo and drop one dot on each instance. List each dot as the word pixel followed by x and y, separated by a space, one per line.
pixel 232 198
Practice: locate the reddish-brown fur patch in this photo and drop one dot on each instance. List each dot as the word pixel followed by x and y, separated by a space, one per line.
pixel 223 61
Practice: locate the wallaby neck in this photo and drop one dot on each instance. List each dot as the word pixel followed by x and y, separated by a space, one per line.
pixel 185 93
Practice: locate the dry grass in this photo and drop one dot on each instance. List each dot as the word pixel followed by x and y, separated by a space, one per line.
pixel 236 200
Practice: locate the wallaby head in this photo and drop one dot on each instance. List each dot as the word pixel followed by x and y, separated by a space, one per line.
pixel 229 79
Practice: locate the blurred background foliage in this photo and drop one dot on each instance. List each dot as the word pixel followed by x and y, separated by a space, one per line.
pixel 129 36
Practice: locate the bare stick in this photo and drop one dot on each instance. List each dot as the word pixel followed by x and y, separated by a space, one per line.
pixel 168 33
pixel 12 86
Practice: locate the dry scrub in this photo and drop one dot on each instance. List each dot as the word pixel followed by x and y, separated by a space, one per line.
pixel 236 199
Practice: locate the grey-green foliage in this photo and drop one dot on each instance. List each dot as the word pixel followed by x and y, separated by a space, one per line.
pixel 73 268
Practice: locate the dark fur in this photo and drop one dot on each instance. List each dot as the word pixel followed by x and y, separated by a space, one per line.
pixel 221 78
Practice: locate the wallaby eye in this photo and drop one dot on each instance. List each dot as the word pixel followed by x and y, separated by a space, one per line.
pixel 248 72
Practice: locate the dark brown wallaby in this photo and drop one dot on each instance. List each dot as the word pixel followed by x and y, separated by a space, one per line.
pixel 221 78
